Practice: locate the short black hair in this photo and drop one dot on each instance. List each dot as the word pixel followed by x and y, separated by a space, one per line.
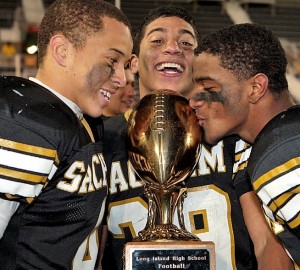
pixel 247 49
pixel 77 20
pixel 163 11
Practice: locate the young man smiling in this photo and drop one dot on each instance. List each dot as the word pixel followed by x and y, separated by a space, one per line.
pixel 52 173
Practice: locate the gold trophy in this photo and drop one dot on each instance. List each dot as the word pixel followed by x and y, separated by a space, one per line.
pixel 164 143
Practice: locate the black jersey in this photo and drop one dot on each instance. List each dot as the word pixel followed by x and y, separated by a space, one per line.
pixel 56 173
pixel 211 210
pixel 274 170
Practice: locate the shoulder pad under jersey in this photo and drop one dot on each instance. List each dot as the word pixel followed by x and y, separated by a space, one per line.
pixel 281 128
pixel 30 103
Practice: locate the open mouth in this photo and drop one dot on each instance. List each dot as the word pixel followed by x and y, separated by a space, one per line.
pixel 106 94
pixel 170 68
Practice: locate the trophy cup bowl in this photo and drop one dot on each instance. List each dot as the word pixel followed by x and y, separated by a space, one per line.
pixel 164 142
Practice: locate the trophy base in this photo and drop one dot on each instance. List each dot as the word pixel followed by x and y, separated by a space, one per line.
pixel 164 232
pixel 190 255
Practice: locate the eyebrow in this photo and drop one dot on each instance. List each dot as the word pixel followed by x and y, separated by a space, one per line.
pixel 164 30
pixel 204 78
pixel 117 51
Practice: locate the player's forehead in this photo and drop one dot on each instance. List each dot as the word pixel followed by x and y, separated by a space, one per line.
pixel 169 24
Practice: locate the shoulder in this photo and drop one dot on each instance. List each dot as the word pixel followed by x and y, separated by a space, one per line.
pixel 283 128
pixel 31 105
pixel 114 126
pixel 285 121
pixel 115 123
pixel 278 141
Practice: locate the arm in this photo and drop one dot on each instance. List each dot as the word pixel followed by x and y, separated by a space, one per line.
pixel 7 209
pixel 270 254
pixel 101 247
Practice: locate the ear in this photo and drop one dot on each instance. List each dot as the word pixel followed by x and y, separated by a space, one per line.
pixel 259 87
pixel 59 49
pixel 134 63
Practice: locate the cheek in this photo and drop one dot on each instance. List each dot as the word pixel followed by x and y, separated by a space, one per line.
pixel 98 75
pixel 226 120
pixel 218 112
pixel 190 58
pixel 150 54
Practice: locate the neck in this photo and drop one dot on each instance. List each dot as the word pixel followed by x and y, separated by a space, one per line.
pixel 262 112
pixel 143 91
pixel 48 76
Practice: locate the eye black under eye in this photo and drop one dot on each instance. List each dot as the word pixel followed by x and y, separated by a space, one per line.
pixel 209 97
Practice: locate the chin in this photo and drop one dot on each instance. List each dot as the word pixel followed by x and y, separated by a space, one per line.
pixel 94 113
pixel 211 140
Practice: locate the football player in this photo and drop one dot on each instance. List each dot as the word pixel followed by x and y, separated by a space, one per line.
pixel 241 88
pixel 52 175
pixel 164 48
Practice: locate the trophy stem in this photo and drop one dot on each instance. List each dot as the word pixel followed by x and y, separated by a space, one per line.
pixel 162 206
pixel 165 207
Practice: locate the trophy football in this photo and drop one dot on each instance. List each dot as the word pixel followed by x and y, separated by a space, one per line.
pixel 164 143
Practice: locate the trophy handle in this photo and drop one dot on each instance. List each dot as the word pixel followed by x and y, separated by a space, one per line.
pixel 152 208
pixel 182 195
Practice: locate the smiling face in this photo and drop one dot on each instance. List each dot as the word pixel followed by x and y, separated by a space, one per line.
pixel 220 100
pixel 165 56
pixel 97 70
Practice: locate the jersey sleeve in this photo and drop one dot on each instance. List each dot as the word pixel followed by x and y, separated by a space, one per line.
pixel 274 170
pixel 27 162
pixel 277 183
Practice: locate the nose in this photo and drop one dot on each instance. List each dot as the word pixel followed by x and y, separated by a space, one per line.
pixel 130 92
pixel 196 103
pixel 192 103
pixel 119 77
pixel 173 47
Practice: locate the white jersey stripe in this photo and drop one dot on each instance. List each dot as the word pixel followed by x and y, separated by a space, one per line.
pixel 21 189
pixel 243 151
pixel 290 165
pixel 291 209
pixel 25 162
pixel 240 146
pixel 279 186
pixel 52 172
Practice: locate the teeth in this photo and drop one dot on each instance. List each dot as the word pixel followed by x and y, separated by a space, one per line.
pixel 106 94
pixel 170 65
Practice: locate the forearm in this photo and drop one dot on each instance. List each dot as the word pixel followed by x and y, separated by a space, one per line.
pixel 272 256
pixel 269 252
pixel 103 240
